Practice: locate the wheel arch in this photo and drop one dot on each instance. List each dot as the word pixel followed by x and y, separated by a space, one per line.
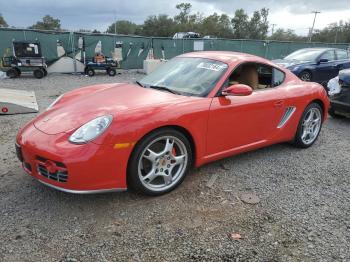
pixel 322 105
pixel 178 128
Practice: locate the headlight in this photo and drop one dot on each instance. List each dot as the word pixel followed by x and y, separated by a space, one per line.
pixel 54 102
pixel 91 130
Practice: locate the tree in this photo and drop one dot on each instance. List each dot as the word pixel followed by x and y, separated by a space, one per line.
pixel 161 25
pixel 183 16
pixel 258 25
pixel 48 23
pixel 123 27
pixel 286 35
pixel 2 21
pixel 335 32
pixel 215 25
pixel 240 24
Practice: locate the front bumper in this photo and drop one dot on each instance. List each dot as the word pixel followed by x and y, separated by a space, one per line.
pixel 88 168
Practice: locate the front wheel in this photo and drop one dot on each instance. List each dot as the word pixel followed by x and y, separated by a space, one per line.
pixel 309 126
pixel 159 162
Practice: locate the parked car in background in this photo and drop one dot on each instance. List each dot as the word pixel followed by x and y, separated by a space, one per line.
pixel 181 35
pixel 316 64
pixel 210 37
pixel 339 94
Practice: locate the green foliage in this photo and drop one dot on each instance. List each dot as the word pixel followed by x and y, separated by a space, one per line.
pixel 240 24
pixel 216 25
pixel 161 25
pixel 123 27
pixel 2 21
pixel 48 23
pixel 335 32
pixel 286 35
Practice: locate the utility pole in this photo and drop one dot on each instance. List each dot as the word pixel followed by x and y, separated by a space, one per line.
pixel 273 28
pixel 115 22
pixel 313 24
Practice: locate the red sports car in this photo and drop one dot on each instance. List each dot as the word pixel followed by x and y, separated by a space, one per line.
pixel 196 108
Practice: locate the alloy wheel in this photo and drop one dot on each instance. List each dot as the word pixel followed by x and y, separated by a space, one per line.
pixel 311 125
pixel 162 163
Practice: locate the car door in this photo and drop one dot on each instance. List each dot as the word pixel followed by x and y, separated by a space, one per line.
pixel 343 59
pixel 240 121
pixel 326 69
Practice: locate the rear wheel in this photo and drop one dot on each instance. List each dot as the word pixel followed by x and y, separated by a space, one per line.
pixel 12 73
pixel 159 162
pixel 111 72
pixel 90 72
pixel 305 76
pixel 38 73
pixel 309 126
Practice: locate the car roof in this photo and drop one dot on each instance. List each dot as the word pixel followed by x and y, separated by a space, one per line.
pixel 226 56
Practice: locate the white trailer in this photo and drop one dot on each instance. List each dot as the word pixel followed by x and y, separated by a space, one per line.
pixel 17 102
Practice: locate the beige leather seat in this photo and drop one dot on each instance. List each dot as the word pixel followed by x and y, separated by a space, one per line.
pixel 249 76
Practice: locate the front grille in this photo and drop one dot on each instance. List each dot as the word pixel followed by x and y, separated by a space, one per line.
pixel 60 174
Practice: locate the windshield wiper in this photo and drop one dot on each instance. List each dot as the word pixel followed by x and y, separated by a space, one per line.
pixel 165 89
pixel 137 82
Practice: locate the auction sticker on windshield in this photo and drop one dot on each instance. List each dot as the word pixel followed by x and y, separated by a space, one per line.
pixel 212 66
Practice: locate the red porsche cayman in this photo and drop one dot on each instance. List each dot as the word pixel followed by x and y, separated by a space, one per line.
pixel 196 108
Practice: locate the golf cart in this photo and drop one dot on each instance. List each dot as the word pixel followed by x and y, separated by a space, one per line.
pixel 26 57
pixel 101 62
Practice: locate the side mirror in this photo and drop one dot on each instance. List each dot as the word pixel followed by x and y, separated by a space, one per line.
pixel 237 90
pixel 323 60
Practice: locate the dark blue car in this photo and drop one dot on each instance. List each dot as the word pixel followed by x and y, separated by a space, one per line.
pixel 316 64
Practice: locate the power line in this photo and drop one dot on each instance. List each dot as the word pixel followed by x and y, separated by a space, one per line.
pixel 313 24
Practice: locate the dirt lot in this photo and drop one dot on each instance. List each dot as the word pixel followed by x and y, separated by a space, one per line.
pixel 303 213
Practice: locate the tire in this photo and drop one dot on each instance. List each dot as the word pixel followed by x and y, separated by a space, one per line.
pixel 45 71
pixel 18 71
pixel 38 73
pixel 309 127
pixel 333 114
pixel 90 72
pixel 111 72
pixel 167 165
pixel 12 73
pixel 305 76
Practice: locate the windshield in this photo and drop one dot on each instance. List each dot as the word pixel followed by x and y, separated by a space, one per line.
pixel 186 76
pixel 304 55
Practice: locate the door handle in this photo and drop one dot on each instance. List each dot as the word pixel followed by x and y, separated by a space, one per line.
pixel 279 103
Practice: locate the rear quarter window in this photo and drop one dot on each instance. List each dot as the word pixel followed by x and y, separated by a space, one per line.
pixel 342 54
pixel 278 77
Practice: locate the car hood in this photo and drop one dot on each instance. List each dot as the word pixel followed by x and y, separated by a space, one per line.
pixel 289 63
pixel 82 105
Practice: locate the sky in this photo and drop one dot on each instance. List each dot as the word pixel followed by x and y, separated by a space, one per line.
pixel 87 14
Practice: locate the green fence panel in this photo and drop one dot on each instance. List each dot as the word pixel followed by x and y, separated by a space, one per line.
pixel 135 48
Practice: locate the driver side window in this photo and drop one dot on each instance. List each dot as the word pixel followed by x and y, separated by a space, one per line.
pixel 257 76
pixel 329 55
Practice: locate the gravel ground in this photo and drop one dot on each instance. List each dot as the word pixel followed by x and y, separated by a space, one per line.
pixel 303 213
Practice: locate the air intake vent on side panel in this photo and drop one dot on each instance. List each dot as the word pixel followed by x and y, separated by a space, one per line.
pixel 287 115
